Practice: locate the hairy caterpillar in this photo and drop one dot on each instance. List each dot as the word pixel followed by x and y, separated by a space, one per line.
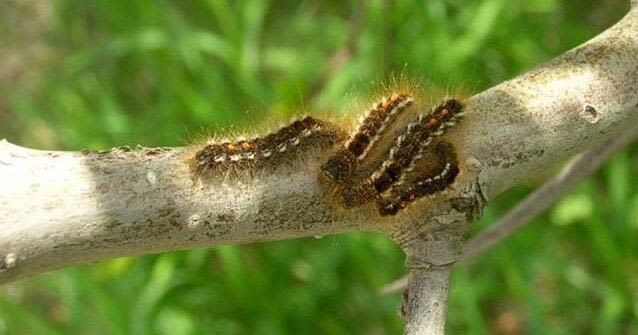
pixel 393 158
pixel 399 178
pixel 258 152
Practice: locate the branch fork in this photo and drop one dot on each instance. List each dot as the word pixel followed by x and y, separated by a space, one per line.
pixel 63 208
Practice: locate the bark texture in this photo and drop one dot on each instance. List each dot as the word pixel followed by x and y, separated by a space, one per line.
pixel 425 303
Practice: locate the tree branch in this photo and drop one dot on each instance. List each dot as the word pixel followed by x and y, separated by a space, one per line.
pixel 546 195
pixel 64 208
pixel 425 300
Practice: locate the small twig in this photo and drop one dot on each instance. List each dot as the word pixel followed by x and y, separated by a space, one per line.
pixel 546 195
pixel 394 286
pixel 425 300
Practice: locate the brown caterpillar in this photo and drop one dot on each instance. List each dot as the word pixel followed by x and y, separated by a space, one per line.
pixel 285 143
pixel 435 178
pixel 399 168
pixel 341 165
pixel 389 160
pixel 410 146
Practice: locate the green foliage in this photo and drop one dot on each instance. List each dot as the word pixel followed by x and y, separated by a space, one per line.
pixel 156 72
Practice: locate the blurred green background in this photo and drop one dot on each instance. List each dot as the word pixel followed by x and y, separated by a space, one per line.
pixel 80 74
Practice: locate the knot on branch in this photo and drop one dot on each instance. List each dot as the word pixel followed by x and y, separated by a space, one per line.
pixel 437 238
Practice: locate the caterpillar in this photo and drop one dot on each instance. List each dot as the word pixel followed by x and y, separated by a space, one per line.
pixel 284 144
pixel 393 158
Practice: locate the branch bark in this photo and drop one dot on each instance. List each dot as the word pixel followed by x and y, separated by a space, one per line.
pixel 425 301
pixel 64 208
pixel 546 195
